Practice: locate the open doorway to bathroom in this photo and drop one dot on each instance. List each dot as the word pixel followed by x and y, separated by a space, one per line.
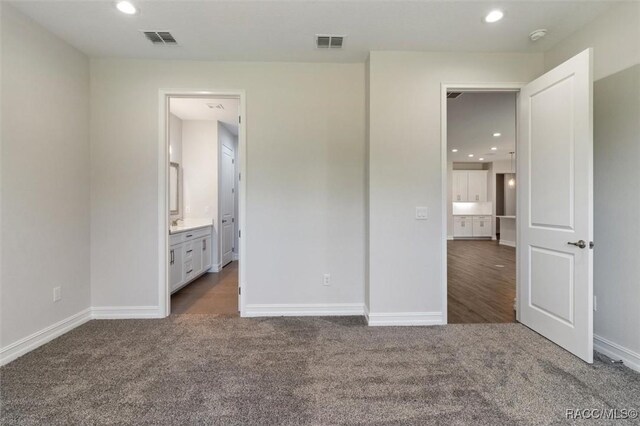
pixel 481 206
pixel 203 194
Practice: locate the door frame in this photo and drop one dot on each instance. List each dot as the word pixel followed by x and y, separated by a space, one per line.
pixel 469 87
pixel 164 294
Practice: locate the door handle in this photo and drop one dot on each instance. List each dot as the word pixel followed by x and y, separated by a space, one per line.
pixel 224 220
pixel 582 244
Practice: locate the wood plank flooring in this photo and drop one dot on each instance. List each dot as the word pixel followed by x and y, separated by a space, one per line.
pixel 478 290
pixel 213 293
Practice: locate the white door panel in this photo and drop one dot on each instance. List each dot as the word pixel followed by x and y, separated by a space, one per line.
pixel 555 169
pixel 227 198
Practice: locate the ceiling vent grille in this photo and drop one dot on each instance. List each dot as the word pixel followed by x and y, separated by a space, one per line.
pixel 453 95
pixel 328 41
pixel 160 37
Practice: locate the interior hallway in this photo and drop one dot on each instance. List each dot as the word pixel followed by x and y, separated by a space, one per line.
pixel 481 286
pixel 213 293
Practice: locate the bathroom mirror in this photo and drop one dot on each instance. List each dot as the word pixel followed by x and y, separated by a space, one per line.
pixel 174 189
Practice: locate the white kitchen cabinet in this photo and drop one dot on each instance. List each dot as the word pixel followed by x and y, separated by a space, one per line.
pixel 477 186
pixel 470 185
pixel 482 226
pixel 460 185
pixel 189 256
pixel 463 226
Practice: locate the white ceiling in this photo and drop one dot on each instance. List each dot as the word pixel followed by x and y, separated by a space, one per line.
pixel 198 109
pixel 473 118
pixel 285 30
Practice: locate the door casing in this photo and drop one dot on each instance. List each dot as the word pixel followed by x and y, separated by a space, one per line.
pixel 164 293
pixel 466 87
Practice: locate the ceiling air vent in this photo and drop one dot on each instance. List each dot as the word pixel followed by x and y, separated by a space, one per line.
pixel 160 37
pixel 453 95
pixel 328 41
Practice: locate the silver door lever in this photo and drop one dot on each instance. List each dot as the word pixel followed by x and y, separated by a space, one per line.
pixel 582 244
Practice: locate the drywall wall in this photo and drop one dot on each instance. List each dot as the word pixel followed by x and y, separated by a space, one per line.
pixel 405 167
pixel 614 37
pixel 617 203
pixel 200 169
pixel 45 178
pixel 305 177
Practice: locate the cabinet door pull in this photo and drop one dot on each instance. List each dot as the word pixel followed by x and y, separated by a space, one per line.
pixel 172 257
pixel 189 251
pixel 204 245
pixel 190 235
pixel 189 271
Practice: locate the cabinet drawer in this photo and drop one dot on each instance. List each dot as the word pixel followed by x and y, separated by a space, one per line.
pixel 188 270
pixel 187 249
pixel 184 236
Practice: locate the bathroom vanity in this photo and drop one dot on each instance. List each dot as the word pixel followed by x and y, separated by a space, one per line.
pixel 190 252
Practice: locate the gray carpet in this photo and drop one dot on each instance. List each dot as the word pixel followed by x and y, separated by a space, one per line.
pixel 197 369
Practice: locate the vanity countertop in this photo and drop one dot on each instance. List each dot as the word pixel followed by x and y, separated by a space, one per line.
pixel 190 225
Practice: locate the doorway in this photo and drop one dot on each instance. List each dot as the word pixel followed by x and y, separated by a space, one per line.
pixel 481 201
pixel 204 143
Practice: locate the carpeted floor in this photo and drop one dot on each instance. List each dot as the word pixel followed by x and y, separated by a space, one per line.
pixel 199 369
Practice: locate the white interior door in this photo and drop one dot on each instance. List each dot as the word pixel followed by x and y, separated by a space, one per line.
pixel 555 172
pixel 227 204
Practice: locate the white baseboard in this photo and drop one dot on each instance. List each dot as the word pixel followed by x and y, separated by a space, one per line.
pixel 507 243
pixel 215 268
pixel 125 312
pixel 299 310
pixel 614 351
pixel 39 338
pixel 235 257
pixel 404 318
pixel 450 237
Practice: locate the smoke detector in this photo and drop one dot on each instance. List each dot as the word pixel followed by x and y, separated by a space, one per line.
pixel 537 34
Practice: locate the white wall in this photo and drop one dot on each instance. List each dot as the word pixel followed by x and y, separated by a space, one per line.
pixel 617 203
pixel 45 178
pixel 405 272
pixel 614 37
pixel 305 178
pixel 200 169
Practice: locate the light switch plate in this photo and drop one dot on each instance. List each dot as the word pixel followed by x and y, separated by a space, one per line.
pixel 421 213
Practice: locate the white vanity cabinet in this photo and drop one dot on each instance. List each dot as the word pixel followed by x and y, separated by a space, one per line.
pixel 482 226
pixel 189 256
pixel 471 226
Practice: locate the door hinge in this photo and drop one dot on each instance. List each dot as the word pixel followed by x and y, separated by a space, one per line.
pixel 239 176
pixel 233 190
pixel 239 119
pixel 239 290
pixel 239 233
pixel 233 219
pixel 233 161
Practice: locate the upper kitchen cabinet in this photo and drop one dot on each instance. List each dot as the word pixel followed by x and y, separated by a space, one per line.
pixel 470 185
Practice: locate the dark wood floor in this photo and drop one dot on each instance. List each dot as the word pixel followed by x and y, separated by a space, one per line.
pixel 478 290
pixel 215 294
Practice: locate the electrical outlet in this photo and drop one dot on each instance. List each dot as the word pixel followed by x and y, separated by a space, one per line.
pixel 595 303
pixel 326 279
pixel 57 294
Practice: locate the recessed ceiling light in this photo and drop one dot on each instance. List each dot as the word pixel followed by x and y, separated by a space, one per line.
pixel 497 135
pixel 480 158
pixel 494 148
pixel 126 7
pixel 493 16
pixel 454 150
pixel 470 155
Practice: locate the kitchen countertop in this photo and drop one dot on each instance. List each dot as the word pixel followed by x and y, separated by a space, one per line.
pixel 190 225
pixel 506 217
